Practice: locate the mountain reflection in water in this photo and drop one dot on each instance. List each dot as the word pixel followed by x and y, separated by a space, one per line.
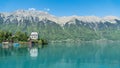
pixel 61 55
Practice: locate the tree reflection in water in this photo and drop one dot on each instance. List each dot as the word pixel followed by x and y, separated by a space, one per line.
pixel 61 55
pixel 33 52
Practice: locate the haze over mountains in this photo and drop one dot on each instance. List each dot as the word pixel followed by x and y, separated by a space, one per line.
pixel 61 28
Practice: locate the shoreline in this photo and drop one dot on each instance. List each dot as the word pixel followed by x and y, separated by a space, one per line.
pixel 79 41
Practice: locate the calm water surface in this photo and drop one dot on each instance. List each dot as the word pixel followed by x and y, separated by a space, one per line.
pixel 64 55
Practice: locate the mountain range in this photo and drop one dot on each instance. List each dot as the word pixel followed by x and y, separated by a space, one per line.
pixel 61 28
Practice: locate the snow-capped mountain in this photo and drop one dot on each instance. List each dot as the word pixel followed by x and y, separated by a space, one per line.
pixel 36 16
pixel 53 27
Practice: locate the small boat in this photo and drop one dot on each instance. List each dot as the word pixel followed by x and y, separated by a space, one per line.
pixel 16 45
pixel 34 52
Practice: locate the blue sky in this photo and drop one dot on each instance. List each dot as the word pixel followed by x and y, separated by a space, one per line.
pixel 65 7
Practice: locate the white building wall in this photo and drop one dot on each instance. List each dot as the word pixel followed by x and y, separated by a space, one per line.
pixel 34 35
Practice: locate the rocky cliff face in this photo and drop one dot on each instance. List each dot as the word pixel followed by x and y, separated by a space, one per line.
pixel 53 27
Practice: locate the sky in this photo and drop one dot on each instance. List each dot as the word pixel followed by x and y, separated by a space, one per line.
pixel 65 7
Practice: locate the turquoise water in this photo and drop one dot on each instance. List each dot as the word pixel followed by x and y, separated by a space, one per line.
pixel 64 55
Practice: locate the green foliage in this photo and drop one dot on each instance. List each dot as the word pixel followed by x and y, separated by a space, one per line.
pixel 21 36
pixel 52 31
pixel 9 36
pixel 5 35
pixel 111 34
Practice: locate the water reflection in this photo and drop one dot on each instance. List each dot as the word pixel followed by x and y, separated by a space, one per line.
pixel 33 52
pixel 62 55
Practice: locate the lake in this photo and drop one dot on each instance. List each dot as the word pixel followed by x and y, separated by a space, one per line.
pixel 97 54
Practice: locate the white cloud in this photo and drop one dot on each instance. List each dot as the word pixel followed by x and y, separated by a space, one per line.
pixel 32 9
pixel 46 9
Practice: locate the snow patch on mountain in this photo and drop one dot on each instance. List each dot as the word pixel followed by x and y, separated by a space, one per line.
pixel 110 19
pixel 35 15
